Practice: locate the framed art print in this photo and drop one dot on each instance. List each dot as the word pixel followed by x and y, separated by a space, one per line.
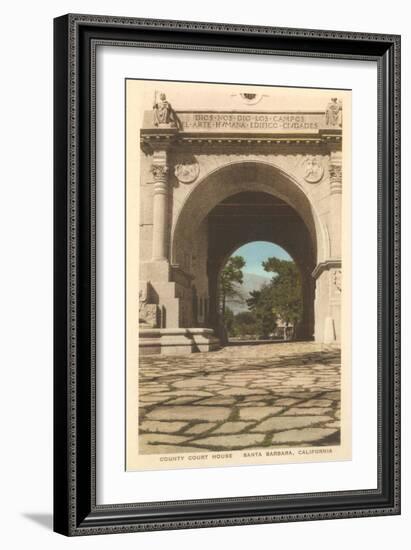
pixel 280 390
pixel 226 274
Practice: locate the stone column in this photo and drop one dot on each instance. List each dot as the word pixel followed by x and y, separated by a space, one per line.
pixel 159 170
pixel 332 328
pixel 335 170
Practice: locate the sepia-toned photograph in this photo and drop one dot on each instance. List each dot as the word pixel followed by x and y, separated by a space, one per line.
pixel 238 275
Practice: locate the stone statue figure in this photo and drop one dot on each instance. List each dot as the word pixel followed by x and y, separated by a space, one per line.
pixel 333 114
pixel 163 112
pixel 148 313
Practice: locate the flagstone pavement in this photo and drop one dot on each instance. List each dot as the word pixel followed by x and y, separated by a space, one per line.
pixel 240 397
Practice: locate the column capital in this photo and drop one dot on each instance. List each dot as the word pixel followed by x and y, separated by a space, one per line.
pixel 159 172
pixel 159 169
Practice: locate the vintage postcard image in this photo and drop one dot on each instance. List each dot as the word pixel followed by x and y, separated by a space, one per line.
pixel 238 275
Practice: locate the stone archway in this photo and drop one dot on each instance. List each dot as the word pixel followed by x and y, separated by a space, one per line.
pixel 250 209
pixel 186 173
pixel 244 176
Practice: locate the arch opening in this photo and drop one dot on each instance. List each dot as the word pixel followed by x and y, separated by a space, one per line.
pixel 251 217
pixel 203 247
pixel 260 294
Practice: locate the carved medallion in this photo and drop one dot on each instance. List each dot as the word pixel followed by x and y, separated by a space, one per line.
pixel 250 98
pixel 313 170
pixel 187 172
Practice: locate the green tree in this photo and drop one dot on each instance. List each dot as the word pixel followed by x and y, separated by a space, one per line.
pixel 279 299
pixel 231 276
pixel 286 292
pixel 245 324
pixel 229 320
pixel 260 303
pixel 245 318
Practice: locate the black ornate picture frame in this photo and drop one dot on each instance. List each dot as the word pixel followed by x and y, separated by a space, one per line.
pixel 76 38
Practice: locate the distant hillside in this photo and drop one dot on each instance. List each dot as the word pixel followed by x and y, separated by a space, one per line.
pixel 250 282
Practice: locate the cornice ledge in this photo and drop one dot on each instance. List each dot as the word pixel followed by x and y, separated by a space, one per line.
pixel 325 266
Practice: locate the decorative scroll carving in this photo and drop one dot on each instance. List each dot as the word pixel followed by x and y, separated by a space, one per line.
pixel 159 171
pixel 313 169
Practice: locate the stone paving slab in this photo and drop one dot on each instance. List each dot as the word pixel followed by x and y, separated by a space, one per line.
pixel 240 397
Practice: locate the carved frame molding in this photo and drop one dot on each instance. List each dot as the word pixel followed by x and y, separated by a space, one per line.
pixel 75 42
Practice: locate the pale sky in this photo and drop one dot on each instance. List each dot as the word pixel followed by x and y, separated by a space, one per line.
pixel 256 252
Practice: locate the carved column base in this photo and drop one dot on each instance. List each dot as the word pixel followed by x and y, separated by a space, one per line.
pixel 178 341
